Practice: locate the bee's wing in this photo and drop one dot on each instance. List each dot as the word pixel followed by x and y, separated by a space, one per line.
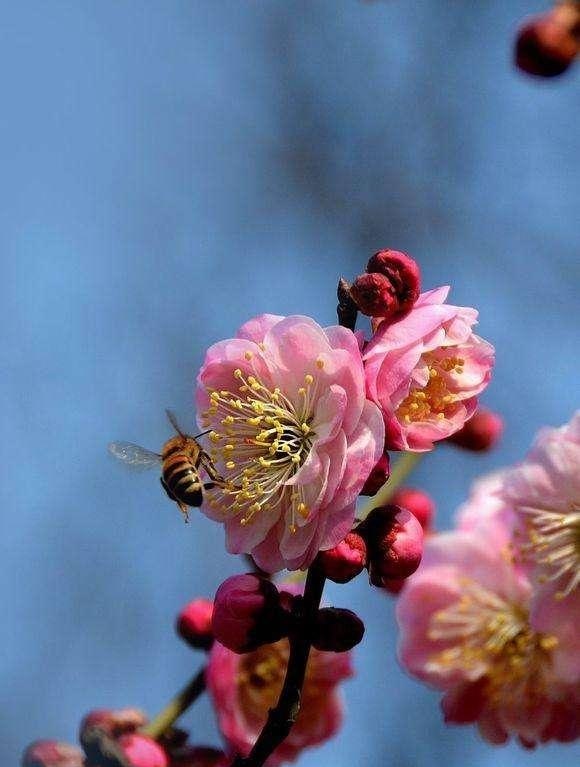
pixel 133 456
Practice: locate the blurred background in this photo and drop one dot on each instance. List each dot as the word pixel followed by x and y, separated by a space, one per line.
pixel 171 168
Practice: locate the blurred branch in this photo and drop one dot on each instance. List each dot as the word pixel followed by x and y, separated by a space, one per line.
pixel 176 707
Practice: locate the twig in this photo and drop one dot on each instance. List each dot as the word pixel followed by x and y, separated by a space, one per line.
pixel 176 707
pixel 284 714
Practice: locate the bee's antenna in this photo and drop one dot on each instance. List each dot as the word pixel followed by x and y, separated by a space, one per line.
pixel 203 433
pixel 173 422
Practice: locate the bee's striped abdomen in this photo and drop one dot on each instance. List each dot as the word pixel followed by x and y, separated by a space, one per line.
pixel 180 475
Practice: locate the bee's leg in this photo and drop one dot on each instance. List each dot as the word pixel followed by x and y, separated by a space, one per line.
pixel 210 469
pixel 184 510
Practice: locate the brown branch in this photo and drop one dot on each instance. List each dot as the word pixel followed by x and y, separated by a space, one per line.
pixel 284 714
pixel 176 707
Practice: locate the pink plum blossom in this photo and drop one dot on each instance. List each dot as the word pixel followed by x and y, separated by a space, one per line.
pixel 545 493
pixel 293 435
pixel 466 630
pixel 243 688
pixel 426 370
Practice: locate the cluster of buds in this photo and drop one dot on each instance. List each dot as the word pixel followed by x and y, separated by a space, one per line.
pixel 250 611
pixel 548 44
pixel 388 543
pixel 113 737
pixel 389 287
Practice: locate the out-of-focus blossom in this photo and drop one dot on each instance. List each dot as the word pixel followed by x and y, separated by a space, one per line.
pixel 142 751
pixel 394 540
pixel 466 630
pixel 194 623
pixel 545 493
pixel 426 370
pixel 346 560
pixel 51 753
pixel 247 613
pixel 547 45
pixel 114 722
pixel 480 433
pixel 418 502
pixel 293 434
pixel 243 688
pixel 378 476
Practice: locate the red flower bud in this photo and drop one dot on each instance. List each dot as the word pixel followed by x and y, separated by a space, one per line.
pixel 142 751
pixel 346 560
pixel 337 630
pixel 247 613
pixel 51 753
pixel 200 756
pixel 403 274
pixel 378 476
pixel 374 295
pixel 194 624
pixel 546 45
pixel 480 433
pixel 114 723
pixel 418 502
pixel 394 541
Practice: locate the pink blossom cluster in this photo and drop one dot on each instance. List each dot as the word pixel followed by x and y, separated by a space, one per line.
pixel 492 616
pixel 300 417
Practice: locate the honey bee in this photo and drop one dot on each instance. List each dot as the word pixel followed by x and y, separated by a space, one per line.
pixel 181 459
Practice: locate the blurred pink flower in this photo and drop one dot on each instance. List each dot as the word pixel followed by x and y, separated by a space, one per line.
pixel 426 370
pixel 466 630
pixel 545 493
pixel 243 688
pixel 293 434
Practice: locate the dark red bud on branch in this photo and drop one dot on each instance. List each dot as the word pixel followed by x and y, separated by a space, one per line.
pixel 194 624
pixel 403 274
pixel 248 613
pixel 394 541
pixel 547 45
pixel 337 630
pixel 378 476
pixel 418 502
pixel 480 433
pixel 346 560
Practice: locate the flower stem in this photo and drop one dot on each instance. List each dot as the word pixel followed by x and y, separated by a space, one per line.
pixel 401 470
pixel 176 707
pixel 284 714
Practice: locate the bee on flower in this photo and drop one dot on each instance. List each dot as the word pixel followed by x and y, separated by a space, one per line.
pixel 292 433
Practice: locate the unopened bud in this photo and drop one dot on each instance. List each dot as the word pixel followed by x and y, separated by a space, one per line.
pixel 394 541
pixel 418 502
pixel 199 756
pixel 480 433
pixel 403 274
pixel 337 630
pixel 142 751
pixel 247 613
pixel 378 476
pixel 346 560
pixel 194 624
pixel 374 295
pixel 51 753
pixel 547 45
pixel 114 723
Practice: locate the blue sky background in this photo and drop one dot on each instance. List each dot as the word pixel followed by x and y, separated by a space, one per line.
pixel 170 169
